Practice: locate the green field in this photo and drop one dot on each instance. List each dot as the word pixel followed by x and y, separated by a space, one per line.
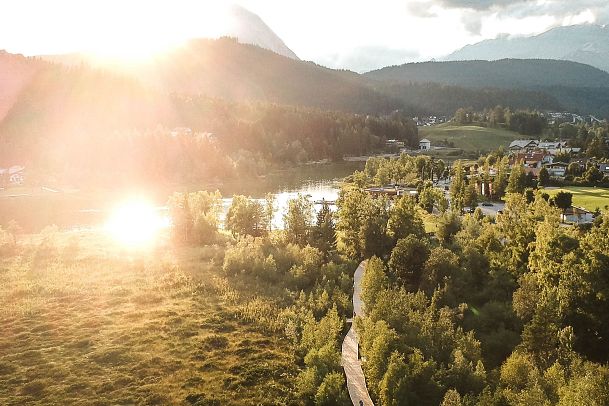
pixel 589 198
pixel 84 322
pixel 469 138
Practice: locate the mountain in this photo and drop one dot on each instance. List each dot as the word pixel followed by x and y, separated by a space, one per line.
pixel 564 85
pixel 234 71
pixel 51 105
pixel 249 28
pixel 237 22
pixel 588 44
pixel 505 73
pixel 40 100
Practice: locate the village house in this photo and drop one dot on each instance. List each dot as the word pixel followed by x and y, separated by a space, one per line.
pixel 577 215
pixel 557 170
pixel 424 144
pixel 533 160
pixel 523 145
pixel 551 147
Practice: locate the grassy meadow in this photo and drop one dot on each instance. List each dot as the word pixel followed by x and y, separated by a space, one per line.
pixel 590 198
pixel 469 138
pixel 87 322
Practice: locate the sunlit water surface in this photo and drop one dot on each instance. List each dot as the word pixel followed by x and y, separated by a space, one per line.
pixel 33 210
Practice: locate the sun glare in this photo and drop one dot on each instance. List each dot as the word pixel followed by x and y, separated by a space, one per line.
pixel 135 38
pixel 136 223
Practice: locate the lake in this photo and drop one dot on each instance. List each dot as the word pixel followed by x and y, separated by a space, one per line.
pixel 34 208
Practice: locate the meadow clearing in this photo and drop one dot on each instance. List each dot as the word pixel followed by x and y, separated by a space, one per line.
pixel 469 137
pixel 85 321
pixel 590 198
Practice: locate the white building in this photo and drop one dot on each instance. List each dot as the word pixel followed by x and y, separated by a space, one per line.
pixel 523 145
pixel 424 144
pixel 577 215
pixel 557 170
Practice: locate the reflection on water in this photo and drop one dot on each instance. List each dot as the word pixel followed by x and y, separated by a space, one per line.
pixel 33 210
pixel 315 191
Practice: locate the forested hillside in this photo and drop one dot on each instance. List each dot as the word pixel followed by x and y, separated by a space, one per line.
pixel 435 98
pixel 225 68
pixel 506 73
pixel 103 128
pixel 531 83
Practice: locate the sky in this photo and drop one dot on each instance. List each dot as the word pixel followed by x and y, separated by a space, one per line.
pixel 354 34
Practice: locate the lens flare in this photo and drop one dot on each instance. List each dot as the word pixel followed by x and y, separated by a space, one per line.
pixel 136 223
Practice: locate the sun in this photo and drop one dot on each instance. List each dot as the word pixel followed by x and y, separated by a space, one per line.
pixel 134 36
pixel 136 223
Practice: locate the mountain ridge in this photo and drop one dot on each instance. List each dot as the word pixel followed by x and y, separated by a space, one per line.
pixel 504 73
pixel 250 28
pixel 584 43
pixel 240 23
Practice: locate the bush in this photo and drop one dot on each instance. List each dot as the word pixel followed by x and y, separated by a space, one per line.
pixel 249 256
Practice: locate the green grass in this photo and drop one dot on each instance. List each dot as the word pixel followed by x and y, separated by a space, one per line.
pixel 430 221
pixel 589 198
pixel 84 322
pixel 469 138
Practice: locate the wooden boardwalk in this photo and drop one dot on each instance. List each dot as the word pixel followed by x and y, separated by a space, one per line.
pixel 356 382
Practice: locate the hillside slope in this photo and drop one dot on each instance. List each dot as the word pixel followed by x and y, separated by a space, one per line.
pixel 225 68
pixel 554 85
pixel 505 73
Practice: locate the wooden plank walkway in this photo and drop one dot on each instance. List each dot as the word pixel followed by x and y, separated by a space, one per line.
pixel 356 382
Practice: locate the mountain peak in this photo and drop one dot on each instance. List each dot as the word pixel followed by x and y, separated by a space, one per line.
pixel 237 22
pixel 249 28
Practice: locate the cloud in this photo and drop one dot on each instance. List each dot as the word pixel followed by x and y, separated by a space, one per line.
pixel 420 9
pixel 481 4
pixel 483 17
pixel 472 23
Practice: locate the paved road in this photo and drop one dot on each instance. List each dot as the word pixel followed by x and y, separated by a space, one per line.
pixel 356 383
pixel 492 210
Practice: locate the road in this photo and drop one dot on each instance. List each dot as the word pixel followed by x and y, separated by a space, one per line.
pixel 492 210
pixel 356 382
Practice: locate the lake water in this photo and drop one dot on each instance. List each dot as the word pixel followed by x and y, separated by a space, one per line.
pixel 314 190
pixel 34 209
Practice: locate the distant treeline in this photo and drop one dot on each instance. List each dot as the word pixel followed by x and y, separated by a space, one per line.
pixel 521 121
pixel 434 98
